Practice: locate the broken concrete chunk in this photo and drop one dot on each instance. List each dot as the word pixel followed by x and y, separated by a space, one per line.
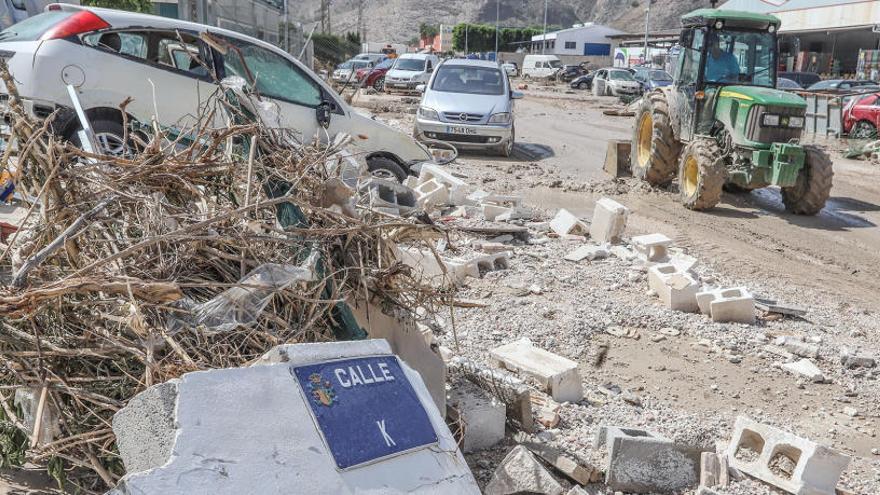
pixel 713 470
pixel 501 384
pixel 565 223
pixel 806 369
pixel 491 212
pixel 215 451
pixel 798 347
pixel 558 375
pixel 652 247
pixel 145 427
pixel 458 189
pixel 482 414
pixel 587 253
pixel 609 221
pixel 521 472
pixel 641 463
pixel 852 360
pixel 576 490
pixel 430 194
pixel 789 462
pixel 576 471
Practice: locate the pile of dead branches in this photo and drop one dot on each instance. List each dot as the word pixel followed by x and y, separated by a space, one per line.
pixel 192 249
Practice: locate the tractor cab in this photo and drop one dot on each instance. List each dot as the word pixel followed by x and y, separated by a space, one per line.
pixel 719 49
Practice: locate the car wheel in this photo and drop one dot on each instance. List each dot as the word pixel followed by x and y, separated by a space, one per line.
pixel 526 76
pixel 507 149
pixel 385 168
pixel 583 85
pixel 109 135
pixel 379 84
pixel 863 130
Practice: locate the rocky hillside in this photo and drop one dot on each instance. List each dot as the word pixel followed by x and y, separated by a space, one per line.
pixel 398 20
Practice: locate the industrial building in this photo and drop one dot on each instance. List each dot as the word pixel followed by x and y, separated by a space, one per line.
pixel 587 39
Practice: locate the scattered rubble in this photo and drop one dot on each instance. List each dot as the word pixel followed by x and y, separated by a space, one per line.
pixel 521 472
pixel 556 374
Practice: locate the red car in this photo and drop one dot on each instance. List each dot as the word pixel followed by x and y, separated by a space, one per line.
pixel 375 76
pixel 861 116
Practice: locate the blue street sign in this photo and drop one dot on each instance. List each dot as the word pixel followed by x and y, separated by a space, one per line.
pixel 365 408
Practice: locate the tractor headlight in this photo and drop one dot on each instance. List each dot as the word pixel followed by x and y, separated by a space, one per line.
pixel 428 113
pixel 499 118
pixel 796 122
pixel 770 120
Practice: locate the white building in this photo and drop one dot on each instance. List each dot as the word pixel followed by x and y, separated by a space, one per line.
pixel 581 39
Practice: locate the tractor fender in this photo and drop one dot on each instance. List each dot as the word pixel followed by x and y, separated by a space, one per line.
pixel 676 108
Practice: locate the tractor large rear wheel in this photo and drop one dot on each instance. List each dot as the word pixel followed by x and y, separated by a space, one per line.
pixel 813 186
pixel 701 174
pixel 654 152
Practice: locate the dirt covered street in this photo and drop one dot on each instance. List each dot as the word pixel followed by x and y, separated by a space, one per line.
pixel 679 373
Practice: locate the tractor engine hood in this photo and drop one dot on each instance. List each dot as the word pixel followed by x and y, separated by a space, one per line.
pixel 763 96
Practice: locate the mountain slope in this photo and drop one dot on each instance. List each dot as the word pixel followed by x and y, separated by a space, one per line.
pixel 398 20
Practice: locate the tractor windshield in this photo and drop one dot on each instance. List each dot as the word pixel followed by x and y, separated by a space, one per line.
pixel 741 57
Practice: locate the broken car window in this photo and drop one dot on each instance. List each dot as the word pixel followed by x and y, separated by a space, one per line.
pixel 131 44
pixel 271 74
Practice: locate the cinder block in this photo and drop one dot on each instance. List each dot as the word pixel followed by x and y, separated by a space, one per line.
pixel 806 369
pixel 521 472
pixel 411 181
pixel 482 414
pixel 652 247
pixel 566 223
pixel 676 289
pixel 798 347
pixel 609 221
pixel 556 374
pixel 430 194
pixel 458 189
pixel 728 305
pixel 605 435
pixel 789 462
pixel 588 253
pixel 713 470
pixel 491 212
pixel 650 465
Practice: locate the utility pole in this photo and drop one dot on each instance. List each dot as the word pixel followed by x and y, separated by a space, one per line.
pixel 361 26
pixel 544 36
pixel 647 16
pixel 286 26
pixel 465 39
pixel 497 14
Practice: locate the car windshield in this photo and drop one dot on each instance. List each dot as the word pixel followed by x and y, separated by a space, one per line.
pixel 385 64
pixel 824 85
pixel 620 75
pixel 660 75
pixel 555 64
pixel 344 65
pixel 469 80
pixel 359 64
pixel 744 57
pixel 416 64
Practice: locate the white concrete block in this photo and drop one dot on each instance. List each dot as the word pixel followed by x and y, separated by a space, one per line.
pixel 491 211
pixel 483 415
pixel 658 274
pixel 652 247
pixel 430 194
pixel 232 425
pixel 556 374
pixel 521 472
pixel 806 369
pixel 609 221
pixel 728 305
pixel 789 462
pixel 676 289
pixel 566 223
pixel 411 181
pixel 458 189
pixel 587 253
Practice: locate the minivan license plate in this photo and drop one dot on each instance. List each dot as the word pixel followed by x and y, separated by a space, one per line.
pixel 452 129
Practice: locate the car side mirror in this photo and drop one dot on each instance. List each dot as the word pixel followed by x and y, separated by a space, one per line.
pixel 322 114
pixel 516 95
pixel 421 88
pixel 430 70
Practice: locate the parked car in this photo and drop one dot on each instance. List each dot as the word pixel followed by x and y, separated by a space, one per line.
pixel 410 70
pixel 374 58
pixel 510 69
pixel 375 76
pixel 345 72
pixel 804 79
pixel 785 83
pixel 651 79
pixel 570 72
pixel 111 55
pixel 842 86
pixel 861 116
pixel 468 103
pixel 540 66
pixel 583 82
pixel 615 82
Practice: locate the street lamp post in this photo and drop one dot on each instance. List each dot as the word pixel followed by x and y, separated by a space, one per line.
pixel 647 16
pixel 544 36
pixel 497 13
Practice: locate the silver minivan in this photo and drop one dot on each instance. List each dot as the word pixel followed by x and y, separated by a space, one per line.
pixel 468 103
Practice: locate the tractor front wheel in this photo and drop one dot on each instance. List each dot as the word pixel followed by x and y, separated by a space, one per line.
pixel 813 187
pixel 654 151
pixel 701 174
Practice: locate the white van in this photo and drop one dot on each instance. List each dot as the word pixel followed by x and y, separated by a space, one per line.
pixel 410 70
pixel 540 66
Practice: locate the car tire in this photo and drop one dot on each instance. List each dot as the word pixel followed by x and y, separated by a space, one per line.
pixel 385 168
pixel 109 133
pixel 379 84
pixel 583 85
pixel 526 76
pixel 506 150
pixel 863 130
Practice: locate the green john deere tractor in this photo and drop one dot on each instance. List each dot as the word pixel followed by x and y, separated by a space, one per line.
pixel 723 124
